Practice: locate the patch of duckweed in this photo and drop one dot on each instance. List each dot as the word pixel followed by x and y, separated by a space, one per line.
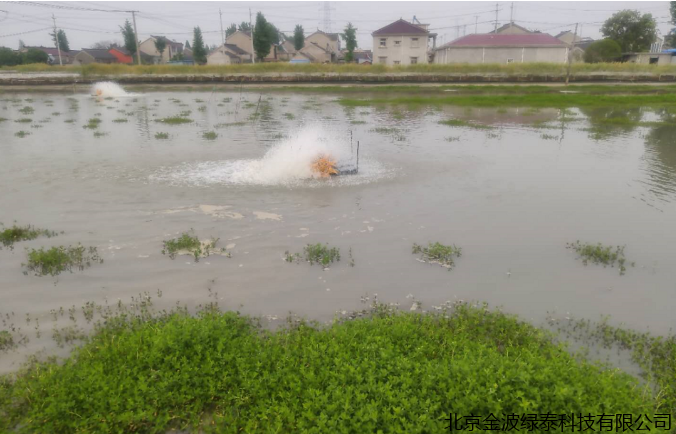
pixel 99 134
pixel 92 123
pixel 120 120
pixel 175 120
pixel 3 119
pixel 69 121
pixel 461 123
pixel 289 116
pixel 22 134
pixel 437 253
pixel 452 139
pixel 230 124
pixel 357 122
pixel 548 137
pixel 27 110
pixel 316 253
pixel 36 126
pixel 160 136
pixel 24 120
pixel 600 254
pixel 6 341
pixel 56 260
pixel 209 135
pixel 15 234
pixel 202 108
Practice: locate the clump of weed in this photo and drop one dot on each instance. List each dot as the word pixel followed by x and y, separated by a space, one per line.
pixel 548 137
pixel 92 123
pixel 120 120
pixel 36 126
pixel 289 116
pixel 174 120
pixel 385 130
pixel 229 124
pixel 56 260
pixel 437 253
pixel 202 108
pixel 355 122
pixel 27 110
pixel 16 234
pixel 6 341
pixel 452 139
pixel 99 134
pixel 3 119
pixel 321 254
pixel 461 123
pixel 189 243
pixel 161 136
pixel 209 135
pixel 22 134
pixel 24 120
pixel 600 254
pixel 69 121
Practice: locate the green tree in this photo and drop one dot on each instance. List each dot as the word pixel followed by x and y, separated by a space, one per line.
pixel 63 40
pixel 244 26
pixel 129 37
pixel 350 38
pixel 160 45
pixel 262 37
pixel 199 51
pixel 230 30
pixel 8 57
pixel 633 31
pixel 33 55
pixel 298 37
pixel 605 50
pixel 670 39
pixel 187 45
pixel 275 36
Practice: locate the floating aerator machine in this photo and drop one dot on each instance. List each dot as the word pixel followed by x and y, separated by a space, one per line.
pixel 325 166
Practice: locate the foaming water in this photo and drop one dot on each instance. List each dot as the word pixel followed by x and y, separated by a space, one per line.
pixel 287 164
pixel 109 89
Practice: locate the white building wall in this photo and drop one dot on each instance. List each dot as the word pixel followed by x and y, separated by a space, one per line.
pixel 501 55
pixel 402 52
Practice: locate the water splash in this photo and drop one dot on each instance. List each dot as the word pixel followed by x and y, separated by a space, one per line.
pixel 109 89
pixel 289 163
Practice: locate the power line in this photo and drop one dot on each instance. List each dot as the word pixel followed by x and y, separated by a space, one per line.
pixel 25 33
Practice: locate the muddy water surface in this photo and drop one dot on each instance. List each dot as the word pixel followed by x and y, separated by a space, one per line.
pixel 511 196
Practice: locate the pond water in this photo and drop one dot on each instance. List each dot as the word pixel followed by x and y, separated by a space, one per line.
pixel 511 196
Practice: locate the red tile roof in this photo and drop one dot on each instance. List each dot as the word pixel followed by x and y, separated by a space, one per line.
pixel 401 27
pixel 493 40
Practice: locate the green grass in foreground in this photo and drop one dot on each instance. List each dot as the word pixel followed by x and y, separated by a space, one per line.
pixel 390 372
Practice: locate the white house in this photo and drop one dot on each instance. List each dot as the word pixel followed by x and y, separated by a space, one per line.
pixel 401 43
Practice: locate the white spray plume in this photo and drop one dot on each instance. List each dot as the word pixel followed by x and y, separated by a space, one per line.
pixel 107 89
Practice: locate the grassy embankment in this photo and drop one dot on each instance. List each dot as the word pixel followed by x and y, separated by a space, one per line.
pixel 387 372
pixel 283 67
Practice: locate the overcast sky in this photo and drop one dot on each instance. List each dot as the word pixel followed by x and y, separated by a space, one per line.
pixel 177 19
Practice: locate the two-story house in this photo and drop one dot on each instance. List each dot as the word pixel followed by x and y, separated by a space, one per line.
pixel 172 48
pixel 401 43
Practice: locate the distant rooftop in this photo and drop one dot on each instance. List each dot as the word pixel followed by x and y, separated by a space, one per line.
pixel 400 27
pixel 500 40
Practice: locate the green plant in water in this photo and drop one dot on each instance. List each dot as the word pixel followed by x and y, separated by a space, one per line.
pixel 174 120
pixel 600 254
pixel 98 134
pixel 16 234
pixel 161 136
pixel 210 135
pixel 69 121
pixel 27 110
pixel 202 108
pixel 152 370
pixel 24 120
pixel 92 123
pixel 189 243
pixel 321 254
pixel 289 116
pixel 120 120
pixel 437 253
pixel 56 260
pixel 22 134
pixel 6 342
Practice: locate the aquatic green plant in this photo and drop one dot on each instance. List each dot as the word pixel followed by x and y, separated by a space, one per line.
pixel 69 121
pixel 452 138
pixel 461 123
pixel 92 123
pixel 386 130
pixel 600 254
pixel 548 137
pixel 437 253
pixel 3 119
pixel 189 243
pixel 289 116
pixel 27 110
pixel 15 234
pixel 202 108
pixel 229 124
pixel 357 122
pixel 210 135
pixel 56 260
pixel 321 254
pixel 120 120
pixel 216 372
pixel 6 342
pixel 99 134
pixel 174 120
pixel 22 134
pixel 161 135
pixel 24 120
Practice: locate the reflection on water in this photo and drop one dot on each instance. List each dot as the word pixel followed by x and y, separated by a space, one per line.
pixel 610 122
pixel 660 159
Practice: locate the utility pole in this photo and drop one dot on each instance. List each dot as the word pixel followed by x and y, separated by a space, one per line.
pixel 496 18
pixel 570 54
pixel 511 15
pixel 138 52
pixel 56 37
pixel 253 53
pixel 222 34
pixel 476 23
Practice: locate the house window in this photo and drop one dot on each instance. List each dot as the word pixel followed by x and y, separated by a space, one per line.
pixel 510 60
pixel 414 42
pixel 397 43
pixel 382 60
pixel 414 60
pixel 654 60
pixel 383 42
pixel 397 62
